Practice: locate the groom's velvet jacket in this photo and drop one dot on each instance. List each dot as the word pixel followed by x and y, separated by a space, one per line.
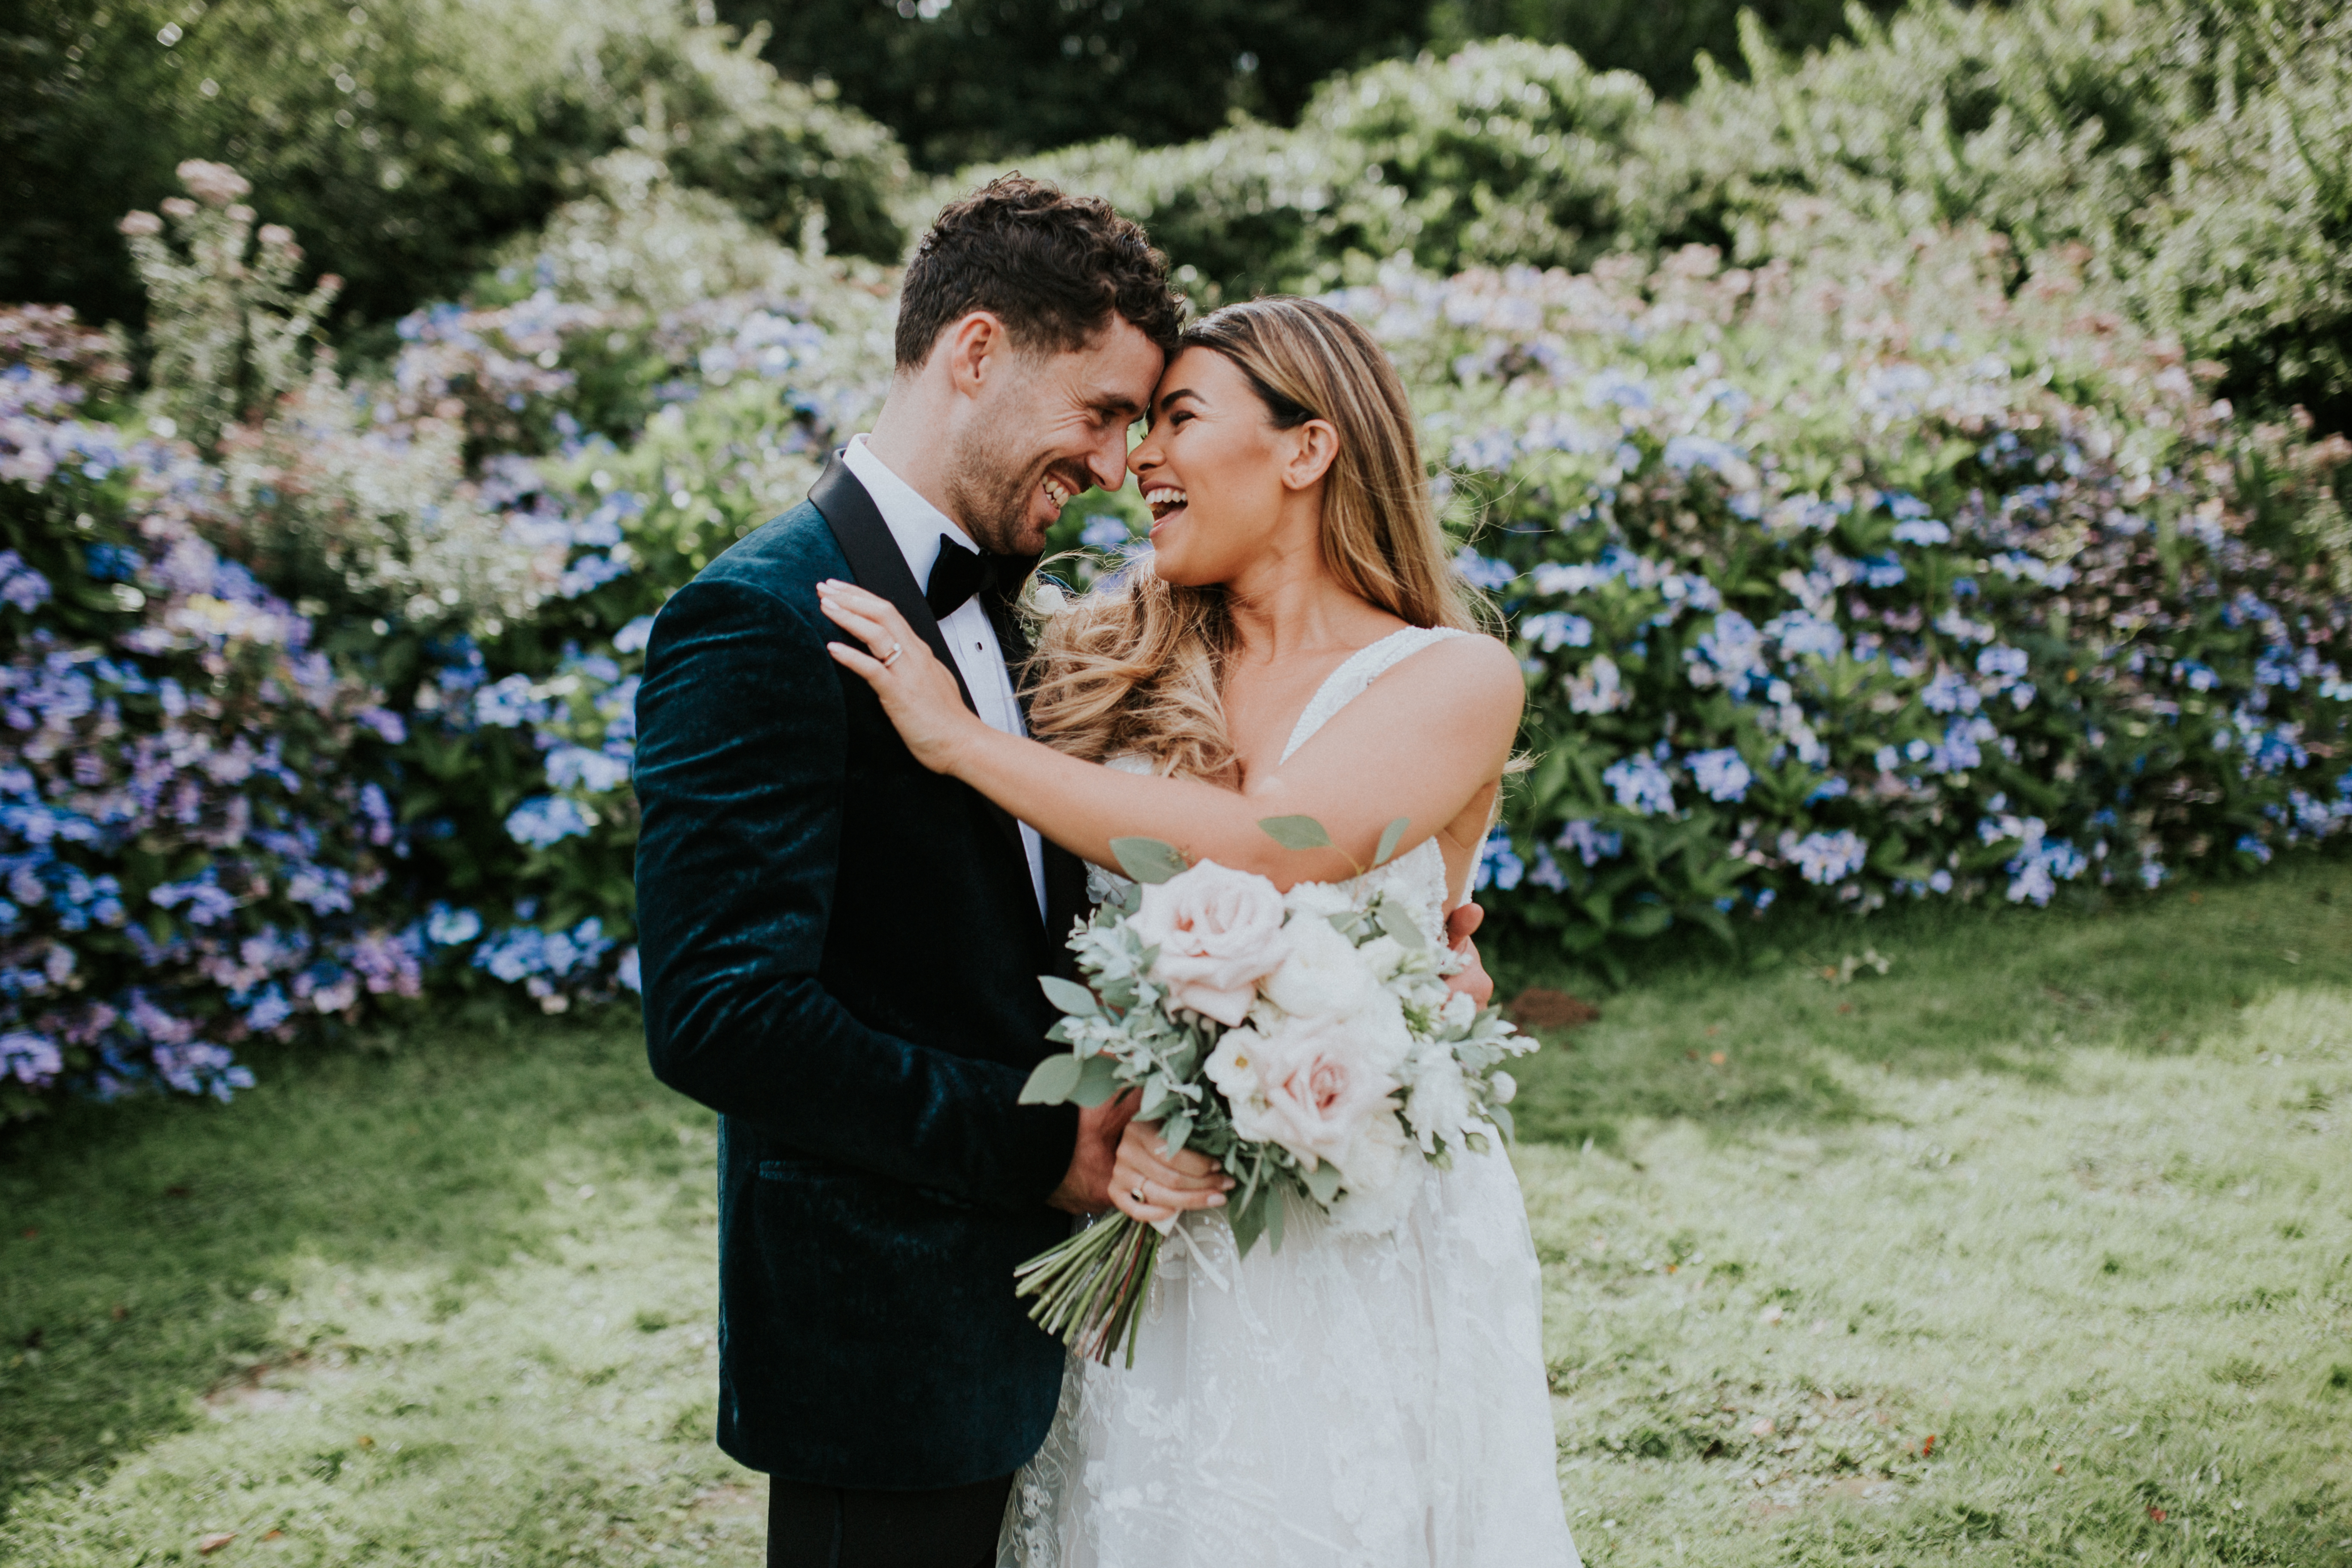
pixel 841 952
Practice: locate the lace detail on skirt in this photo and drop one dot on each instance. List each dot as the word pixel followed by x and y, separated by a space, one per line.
pixel 1347 1402
pixel 1351 1401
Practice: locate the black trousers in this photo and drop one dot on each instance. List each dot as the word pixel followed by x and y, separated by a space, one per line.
pixel 835 1527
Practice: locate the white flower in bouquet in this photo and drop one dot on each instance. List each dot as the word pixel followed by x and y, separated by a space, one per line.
pixel 1219 932
pixel 1439 1105
pixel 1233 1068
pixel 1323 972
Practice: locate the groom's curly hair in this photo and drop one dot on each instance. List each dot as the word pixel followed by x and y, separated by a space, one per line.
pixel 1054 268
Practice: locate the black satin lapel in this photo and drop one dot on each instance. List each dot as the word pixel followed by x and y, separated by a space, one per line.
pixel 874 561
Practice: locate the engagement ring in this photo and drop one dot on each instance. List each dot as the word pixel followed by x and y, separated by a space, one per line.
pixel 892 656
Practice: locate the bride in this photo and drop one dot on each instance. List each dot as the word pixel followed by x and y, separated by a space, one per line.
pixel 1295 644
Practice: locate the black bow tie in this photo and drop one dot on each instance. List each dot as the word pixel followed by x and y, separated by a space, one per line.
pixel 956 576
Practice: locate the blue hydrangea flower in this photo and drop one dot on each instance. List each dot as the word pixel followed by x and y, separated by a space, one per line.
pixel 577 766
pixel 1499 865
pixel 1557 629
pixel 447 927
pixel 543 821
pixel 1824 859
pixel 1640 785
pixel 1591 842
pixel 1721 774
pixel 1480 571
pixel 1104 533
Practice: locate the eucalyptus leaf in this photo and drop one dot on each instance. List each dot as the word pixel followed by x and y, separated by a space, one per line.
pixel 1273 1215
pixel 1391 836
pixel 1295 831
pixel 1323 1181
pixel 1097 1080
pixel 1248 1219
pixel 1052 1080
pixel 1397 922
pixel 1151 860
pixel 1176 1131
pixel 1069 996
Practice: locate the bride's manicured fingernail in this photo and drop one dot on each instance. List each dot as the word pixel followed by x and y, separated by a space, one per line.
pixel 1216 1200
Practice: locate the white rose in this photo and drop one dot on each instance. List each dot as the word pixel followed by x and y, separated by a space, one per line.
pixel 1219 932
pixel 1383 956
pixel 1317 898
pixel 1321 974
pixel 1233 1066
pixel 1319 1095
pixel 1381 1181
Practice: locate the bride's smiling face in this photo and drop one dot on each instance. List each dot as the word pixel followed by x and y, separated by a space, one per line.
pixel 1213 470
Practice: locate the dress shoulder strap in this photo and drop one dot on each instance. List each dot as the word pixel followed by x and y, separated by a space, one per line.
pixel 1359 669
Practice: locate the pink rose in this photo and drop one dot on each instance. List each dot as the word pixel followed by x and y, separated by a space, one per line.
pixel 1219 932
pixel 1318 1096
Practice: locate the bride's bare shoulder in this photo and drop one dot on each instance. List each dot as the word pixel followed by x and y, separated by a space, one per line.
pixel 1476 674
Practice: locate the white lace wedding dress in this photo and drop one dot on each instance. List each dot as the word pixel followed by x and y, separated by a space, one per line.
pixel 1351 1401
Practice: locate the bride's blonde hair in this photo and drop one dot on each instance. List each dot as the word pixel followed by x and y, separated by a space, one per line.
pixel 1138 664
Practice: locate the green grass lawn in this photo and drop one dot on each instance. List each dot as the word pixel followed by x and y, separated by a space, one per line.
pixel 2070 1194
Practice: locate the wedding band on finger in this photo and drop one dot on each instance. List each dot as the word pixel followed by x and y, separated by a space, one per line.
pixel 892 656
pixel 1137 1191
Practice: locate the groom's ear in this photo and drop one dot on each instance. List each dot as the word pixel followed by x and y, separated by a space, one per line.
pixel 1313 448
pixel 973 350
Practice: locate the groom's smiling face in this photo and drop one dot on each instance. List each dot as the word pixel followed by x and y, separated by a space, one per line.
pixel 1050 426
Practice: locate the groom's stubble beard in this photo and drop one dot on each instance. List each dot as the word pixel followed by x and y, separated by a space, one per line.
pixel 993 475
pixel 991 490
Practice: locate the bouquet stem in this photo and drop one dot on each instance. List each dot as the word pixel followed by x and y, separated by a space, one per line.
pixel 1090 1290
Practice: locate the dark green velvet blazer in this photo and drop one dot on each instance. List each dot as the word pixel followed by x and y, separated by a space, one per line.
pixel 841 952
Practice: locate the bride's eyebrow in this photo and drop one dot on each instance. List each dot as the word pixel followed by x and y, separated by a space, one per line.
pixel 1169 401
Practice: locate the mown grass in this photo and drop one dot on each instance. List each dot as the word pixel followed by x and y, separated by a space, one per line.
pixel 2070 1193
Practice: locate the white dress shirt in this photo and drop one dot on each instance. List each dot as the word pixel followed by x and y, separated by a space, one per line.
pixel 917 526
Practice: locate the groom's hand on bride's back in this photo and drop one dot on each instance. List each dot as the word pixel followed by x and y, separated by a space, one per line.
pixel 1472 982
pixel 1086 1187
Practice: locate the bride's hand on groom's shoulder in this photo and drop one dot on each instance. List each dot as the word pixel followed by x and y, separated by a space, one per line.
pixel 917 690
pixel 1472 980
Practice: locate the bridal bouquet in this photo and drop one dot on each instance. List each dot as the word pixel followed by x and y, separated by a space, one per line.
pixel 1306 1041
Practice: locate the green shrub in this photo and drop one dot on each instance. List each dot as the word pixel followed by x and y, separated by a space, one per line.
pixel 401 138
pixel 997 79
pixel 2188 157
pixel 2194 151
pixel 1506 152
pixel 1660 43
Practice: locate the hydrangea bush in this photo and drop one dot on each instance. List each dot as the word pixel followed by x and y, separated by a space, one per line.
pixel 1873 584
pixel 320 690
pixel 1868 578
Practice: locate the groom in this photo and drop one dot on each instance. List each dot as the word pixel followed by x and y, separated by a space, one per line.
pixel 841 949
